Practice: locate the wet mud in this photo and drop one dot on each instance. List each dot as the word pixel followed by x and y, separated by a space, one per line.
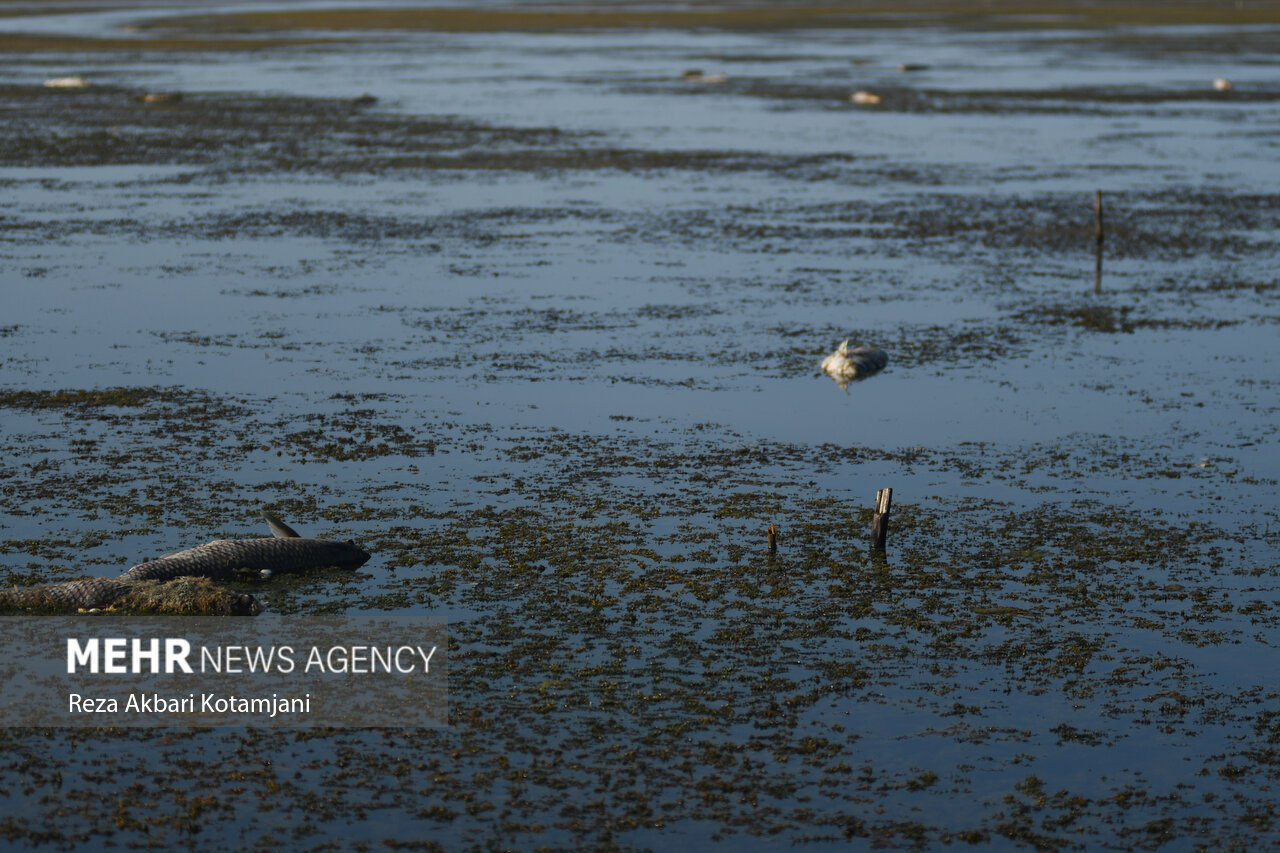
pixel 860 15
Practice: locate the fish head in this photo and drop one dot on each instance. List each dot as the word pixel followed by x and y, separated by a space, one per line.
pixel 348 555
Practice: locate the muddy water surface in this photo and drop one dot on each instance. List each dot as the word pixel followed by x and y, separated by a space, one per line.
pixel 540 326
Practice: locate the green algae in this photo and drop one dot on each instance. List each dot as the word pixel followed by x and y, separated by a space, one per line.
pixel 91 399
pixel 582 608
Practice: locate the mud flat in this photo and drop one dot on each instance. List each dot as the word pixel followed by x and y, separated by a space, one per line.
pixel 508 299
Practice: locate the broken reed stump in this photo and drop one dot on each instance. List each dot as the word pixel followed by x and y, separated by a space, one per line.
pixel 1098 234
pixel 880 521
pixel 773 539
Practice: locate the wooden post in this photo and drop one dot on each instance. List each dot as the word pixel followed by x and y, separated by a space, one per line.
pixel 773 539
pixel 1098 234
pixel 880 521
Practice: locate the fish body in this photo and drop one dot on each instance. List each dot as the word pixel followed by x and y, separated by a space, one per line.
pixel 224 559
pixel 180 595
pixel 219 560
pixel 86 594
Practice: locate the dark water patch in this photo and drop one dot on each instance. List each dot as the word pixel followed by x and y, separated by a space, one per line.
pixel 90 403
pixel 499 20
pixel 36 43
pixel 1241 44
pixel 1169 224
pixel 1178 227
pixel 1030 15
pixel 107 125
pixel 1217 288
pixel 625 160
pixel 480 227
pixel 1115 318
pixel 291 292
pixel 250 134
pixel 897 98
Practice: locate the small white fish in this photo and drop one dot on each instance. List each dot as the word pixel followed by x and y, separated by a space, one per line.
pixel 867 98
pixel 66 83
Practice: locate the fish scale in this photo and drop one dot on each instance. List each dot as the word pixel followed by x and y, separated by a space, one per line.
pixel 91 592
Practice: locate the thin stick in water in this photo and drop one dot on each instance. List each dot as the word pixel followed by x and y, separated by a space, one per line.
pixel 880 521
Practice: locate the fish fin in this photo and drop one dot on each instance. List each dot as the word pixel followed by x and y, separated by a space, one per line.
pixel 279 529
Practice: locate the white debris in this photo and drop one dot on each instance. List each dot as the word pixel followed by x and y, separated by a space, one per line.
pixel 66 83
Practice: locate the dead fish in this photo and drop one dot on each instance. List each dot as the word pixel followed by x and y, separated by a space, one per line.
pixel 224 559
pixel 845 364
pixel 145 586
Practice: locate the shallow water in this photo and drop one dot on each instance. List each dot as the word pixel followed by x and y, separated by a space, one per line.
pixel 541 329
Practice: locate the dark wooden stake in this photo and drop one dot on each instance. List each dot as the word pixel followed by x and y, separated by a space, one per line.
pixel 880 522
pixel 1098 234
pixel 773 539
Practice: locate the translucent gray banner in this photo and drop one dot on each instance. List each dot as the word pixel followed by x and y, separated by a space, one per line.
pixel 353 670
